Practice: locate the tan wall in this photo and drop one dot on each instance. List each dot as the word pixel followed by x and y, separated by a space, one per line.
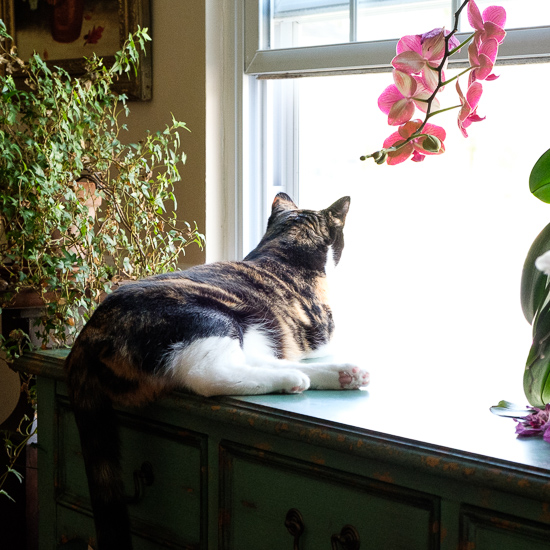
pixel 179 84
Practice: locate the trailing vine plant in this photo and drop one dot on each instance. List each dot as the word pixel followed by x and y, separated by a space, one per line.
pixel 62 150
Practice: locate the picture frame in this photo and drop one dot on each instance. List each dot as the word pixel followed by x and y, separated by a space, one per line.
pixel 63 32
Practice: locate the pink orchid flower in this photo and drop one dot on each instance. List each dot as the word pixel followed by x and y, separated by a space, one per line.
pixel 482 60
pixel 488 25
pixel 400 100
pixel 414 147
pixel 468 110
pixel 422 53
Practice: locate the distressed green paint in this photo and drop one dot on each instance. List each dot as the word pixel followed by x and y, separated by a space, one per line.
pixel 227 470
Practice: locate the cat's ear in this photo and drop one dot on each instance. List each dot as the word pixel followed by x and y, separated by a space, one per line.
pixel 282 202
pixel 339 210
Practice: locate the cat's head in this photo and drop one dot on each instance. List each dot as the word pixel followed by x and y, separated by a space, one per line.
pixel 307 238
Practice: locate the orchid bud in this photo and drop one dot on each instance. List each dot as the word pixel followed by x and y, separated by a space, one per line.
pixel 380 157
pixel 431 144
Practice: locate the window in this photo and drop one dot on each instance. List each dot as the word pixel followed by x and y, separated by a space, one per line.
pixel 434 250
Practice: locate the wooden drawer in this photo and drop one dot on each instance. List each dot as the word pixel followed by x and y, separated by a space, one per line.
pixel 172 508
pixel 258 488
pixel 482 529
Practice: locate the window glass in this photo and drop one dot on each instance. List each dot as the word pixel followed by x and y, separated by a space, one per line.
pixel 309 23
pixel 379 20
pixel 524 13
pixel 317 22
pixel 434 250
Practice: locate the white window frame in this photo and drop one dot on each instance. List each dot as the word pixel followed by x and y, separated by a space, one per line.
pixel 239 63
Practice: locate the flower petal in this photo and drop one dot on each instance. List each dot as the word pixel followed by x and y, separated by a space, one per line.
pixel 489 48
pixel 391 140
pixel 474 117
pixel 473 54
pixel 430 79
pixel 423 106
pixel 492 30
pixel 399 156
pixel 433 48
pixel 495 14
pixel 405 83
pixel 401 112
pixel 485 68
pixel 473 94
pixel 411 42
pixel 409 62
pixel 524 431
pixel 388 97
pixel 474 16
pixel 409 128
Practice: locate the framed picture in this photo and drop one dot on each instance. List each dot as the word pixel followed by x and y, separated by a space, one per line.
pixel 63 32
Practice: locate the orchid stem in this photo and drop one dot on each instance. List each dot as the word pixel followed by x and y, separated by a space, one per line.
pixel 461 45
pixel 443 110
pixel 456 77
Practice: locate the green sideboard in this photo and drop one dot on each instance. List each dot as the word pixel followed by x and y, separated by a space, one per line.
pixel 316 471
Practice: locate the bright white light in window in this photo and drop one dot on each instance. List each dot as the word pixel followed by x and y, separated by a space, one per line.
pixel 434 250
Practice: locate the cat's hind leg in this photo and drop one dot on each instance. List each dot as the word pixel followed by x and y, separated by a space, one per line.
pixel 218 366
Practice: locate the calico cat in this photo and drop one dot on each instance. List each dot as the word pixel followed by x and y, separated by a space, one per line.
pixel 227 328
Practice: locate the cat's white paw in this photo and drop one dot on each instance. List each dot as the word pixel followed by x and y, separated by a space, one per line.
pixel 352 377
pixel 294 381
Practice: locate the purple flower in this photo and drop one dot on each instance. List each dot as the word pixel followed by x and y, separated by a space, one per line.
pixel 453 41
pixel 537 423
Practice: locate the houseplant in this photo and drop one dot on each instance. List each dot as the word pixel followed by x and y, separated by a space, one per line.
pixel 535 295
pixel 62 158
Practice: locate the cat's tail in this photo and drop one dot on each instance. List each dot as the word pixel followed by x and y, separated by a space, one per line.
pixel 100 442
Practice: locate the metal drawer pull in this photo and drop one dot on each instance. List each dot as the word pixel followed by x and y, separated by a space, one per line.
pixel 294 522
pixel 143 477
pixel 348 539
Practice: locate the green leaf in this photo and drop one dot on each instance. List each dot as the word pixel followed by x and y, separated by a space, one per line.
pixel 533 282
pixel 2 492
pixel 535 381
pixel 510 410
pixel 17 474
pixel 536 378
pixel 539 180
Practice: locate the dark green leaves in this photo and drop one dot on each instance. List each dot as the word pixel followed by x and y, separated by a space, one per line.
pixel 533 281
pixel 539 180
pixel 53 131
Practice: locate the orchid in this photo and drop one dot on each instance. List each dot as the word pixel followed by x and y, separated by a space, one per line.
pixel 535 424
pixel 400 100
pixel 428 142
pixel 489 25
pixel 419 76
pixel 482 60
pixel 422 53
pixel 468 110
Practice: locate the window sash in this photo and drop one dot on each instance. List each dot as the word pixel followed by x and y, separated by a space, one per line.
pixel 258 184
pixel 520 46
